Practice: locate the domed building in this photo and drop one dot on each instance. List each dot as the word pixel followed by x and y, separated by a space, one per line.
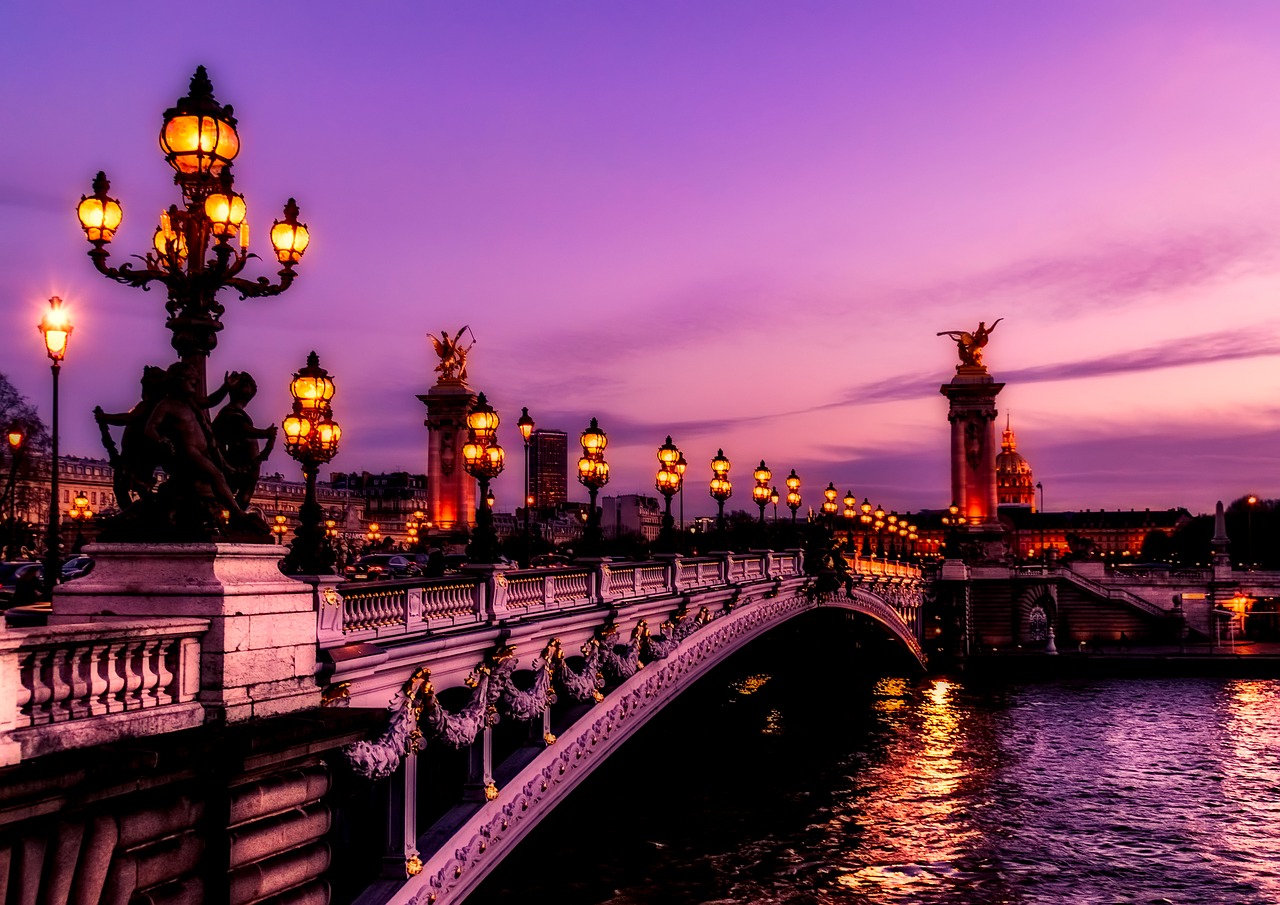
pixel 1015 485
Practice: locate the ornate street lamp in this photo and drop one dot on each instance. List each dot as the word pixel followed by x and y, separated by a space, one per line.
pixel 681 465
pixel 56 328
pixel 311 437
pixel 525 424
pixel 721 488
pixel 200 141
pixel 954 521
pixel 79 514
pixel 829 505
pixel 760 493
pixel 773 498
pixel 483 458
pixel 16 437
pixel 877 525
pixel 793 494
pixel 864 516
pixel 374 534
pixel 280 528
pixel 593 473
pixel 668 483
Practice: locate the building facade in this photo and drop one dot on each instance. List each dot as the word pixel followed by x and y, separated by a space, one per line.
pixel 631 513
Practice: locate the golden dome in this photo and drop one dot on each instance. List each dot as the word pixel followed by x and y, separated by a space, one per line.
pixel 1015 485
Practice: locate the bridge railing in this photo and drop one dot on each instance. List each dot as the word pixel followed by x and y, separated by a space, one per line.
pixel 879 567
pixel 109 679
pixel 412 606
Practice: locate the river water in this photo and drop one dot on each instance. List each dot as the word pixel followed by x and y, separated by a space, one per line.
pixel 790 776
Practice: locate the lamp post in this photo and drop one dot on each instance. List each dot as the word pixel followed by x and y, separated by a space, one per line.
pixel 311 437
pixel 877 525
pixel 773 498
pixel 526 431
pixel 1250 501
pixel 484 459
pixel 15 438
pixel 953 520
pixel 681 465
pixel 668 483
pixel 593 473
pixel 760 493
pixel 864 516
pixel 280 528
pixel 56 328
pixel 721 488
pixel 793 495
pixel 79 513
pixel 829 504
pixel 850 516
pixel 199 140
pixel 374 534
pixel 891 533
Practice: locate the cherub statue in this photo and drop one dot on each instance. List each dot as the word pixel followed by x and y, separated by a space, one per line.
pixel 969 345
pixel 179 427
pixel 134 463
pixel 238 438
pixel 453 356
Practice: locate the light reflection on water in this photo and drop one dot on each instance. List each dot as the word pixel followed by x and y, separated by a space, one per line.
pixel 1109 791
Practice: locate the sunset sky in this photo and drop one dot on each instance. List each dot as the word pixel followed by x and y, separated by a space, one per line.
pixel 738 223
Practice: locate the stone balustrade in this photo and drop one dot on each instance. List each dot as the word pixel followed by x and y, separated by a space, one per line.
pixel 125 678
pixel 410 607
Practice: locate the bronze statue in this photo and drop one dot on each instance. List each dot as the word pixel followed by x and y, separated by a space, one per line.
pixel 134 463
pixel 179 426
pixel 453 356
pixel 970 345
pixel 238 438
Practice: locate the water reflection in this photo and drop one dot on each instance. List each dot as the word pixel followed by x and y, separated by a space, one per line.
pixel 933 792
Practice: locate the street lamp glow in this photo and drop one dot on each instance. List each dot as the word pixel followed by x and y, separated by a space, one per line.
pixel 56 329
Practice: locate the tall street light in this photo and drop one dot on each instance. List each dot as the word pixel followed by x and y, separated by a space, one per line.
pixel 721 489
pixel 668 483
pixel 773 498
pixel 864 516
pixel 311 437
pixel 56 328
pixel 1249 502
pixel 793 494
pixel 79 513
pixel 484 459
pixel 829 504
pixel 199 139
pixel 760 493
pixel 877 524
pixel 681 466
pixel 593 473
pixel 525 424
pixel 15 438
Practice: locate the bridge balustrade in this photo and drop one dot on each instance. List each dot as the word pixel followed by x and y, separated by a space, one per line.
pixel 406 607
pixel 107 678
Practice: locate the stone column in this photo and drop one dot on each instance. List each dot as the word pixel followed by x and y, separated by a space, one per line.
pixel 451 491
pixel 972 395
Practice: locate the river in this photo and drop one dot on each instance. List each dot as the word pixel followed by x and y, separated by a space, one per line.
pixel 790 776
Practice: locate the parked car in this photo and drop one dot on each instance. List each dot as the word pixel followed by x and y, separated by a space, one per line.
pixel 77 566
pixel 377 566
pixel 29 574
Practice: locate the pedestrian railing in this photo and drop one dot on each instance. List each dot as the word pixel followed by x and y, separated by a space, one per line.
pixel 109 678
pixel 372 610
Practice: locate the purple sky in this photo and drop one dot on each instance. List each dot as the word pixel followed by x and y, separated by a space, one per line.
pixel 739 223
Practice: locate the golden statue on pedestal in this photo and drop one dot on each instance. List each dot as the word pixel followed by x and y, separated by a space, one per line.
pixel 969 345
pixel 453 355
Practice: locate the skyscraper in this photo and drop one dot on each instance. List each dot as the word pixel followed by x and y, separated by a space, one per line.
pixel 548 468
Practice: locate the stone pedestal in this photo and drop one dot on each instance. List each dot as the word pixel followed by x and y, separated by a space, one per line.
pixel 972 395
pixel 452 502
pixel 258 657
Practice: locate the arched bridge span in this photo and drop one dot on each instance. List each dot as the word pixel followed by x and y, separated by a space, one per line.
pixel 623 661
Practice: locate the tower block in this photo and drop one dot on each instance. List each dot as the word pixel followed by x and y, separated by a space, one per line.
pixel 451 492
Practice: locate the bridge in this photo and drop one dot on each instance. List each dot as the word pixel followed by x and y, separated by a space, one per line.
pixel 569 662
